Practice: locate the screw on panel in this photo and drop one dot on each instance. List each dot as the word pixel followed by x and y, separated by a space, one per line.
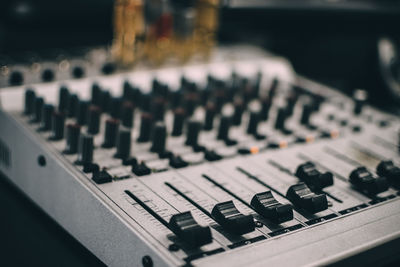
pixel 147 261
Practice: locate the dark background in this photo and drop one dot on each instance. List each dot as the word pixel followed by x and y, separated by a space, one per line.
pixel 332 44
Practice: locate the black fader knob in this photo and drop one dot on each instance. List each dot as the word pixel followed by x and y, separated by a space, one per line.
pixel 366 182
pixel 308 109
pixel 47 117
pixel 179 119
pixel 308 173
pixel 224 126
pixel 114 108
pixel 85 150
pixel 63 99
pixel 127 114
pixel 252 127
pixel 387 169
pixel 96 92
pixel 38 110
pixel 158 108
pixel 94 114
pixel 265 108
pixel 110 134
pixel 123 144
pixel 29 106
pixel 81 115
pixel 73 104
pixel 360 98
pixel 73 132
pixel 229 217
pixel 57 126
pixel 209 117
pixel 101 177
pixel 267 206
pixel 238 112
pixel 187 229
pixel 146 123
pixel 280 118
pixel 159 137
pixel 192 135
pixel 48 75
pixel 301 196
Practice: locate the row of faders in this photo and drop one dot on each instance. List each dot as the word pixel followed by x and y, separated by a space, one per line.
pixel 216 165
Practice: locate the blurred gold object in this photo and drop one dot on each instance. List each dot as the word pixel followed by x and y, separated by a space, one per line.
pixel 128 31
pixel 158 29
pixel 206 26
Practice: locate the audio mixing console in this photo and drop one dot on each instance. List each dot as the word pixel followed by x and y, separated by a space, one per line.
pixel 233 162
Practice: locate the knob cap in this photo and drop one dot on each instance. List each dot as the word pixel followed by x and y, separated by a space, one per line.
pixel 146 124
pixel 81 116
pixel 96 92
pixel 47 117
pixel 110 135
pixel 223 130
pixel 72 136
pixel 265 108
pixel 280 118
pixel 115 107
pixel 360 98
pixel 159 138
pixel 94 114
pixel 73 104
pixel 210 115
pixel 127 114
pixel 253 123
pixel 85 150
pixel 193 130
pixel 238 112
pixel 179 118
pixel 29 102
pixel 301 196
pixel 267 206
pixel 63 99
pixel 308 109
pixel 123 144
pixel 38 109
pixel 58 126
pixel 158 108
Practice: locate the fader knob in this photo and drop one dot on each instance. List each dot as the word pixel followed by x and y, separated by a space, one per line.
pixel 96 92
pixel 72 137
pixel 63 99
pixel 387 169
pixel 29 106
pixel 238 112
pixel 123 144
pixel 308 109
pixel 85 150
pixel 47 117
pixel 72 106
pixel 267 206
pixel 159 138
pixel 316 180
pixel 209 117
pixel 360 98
pixel 127 114
pixel 111 131
pixel 229 217
pixel 58 126
pixel 223 130
pixel 115 107
pixel 366 182
pixel 38 109
pixel 193 130
pixel 253 123
pixel 265 108
pixel 187 229
pixel 280 118
pixel 94 114
pixel 146 124
pixel 179 118
pixel 81 116
pixel 301 196
pixel 158 109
